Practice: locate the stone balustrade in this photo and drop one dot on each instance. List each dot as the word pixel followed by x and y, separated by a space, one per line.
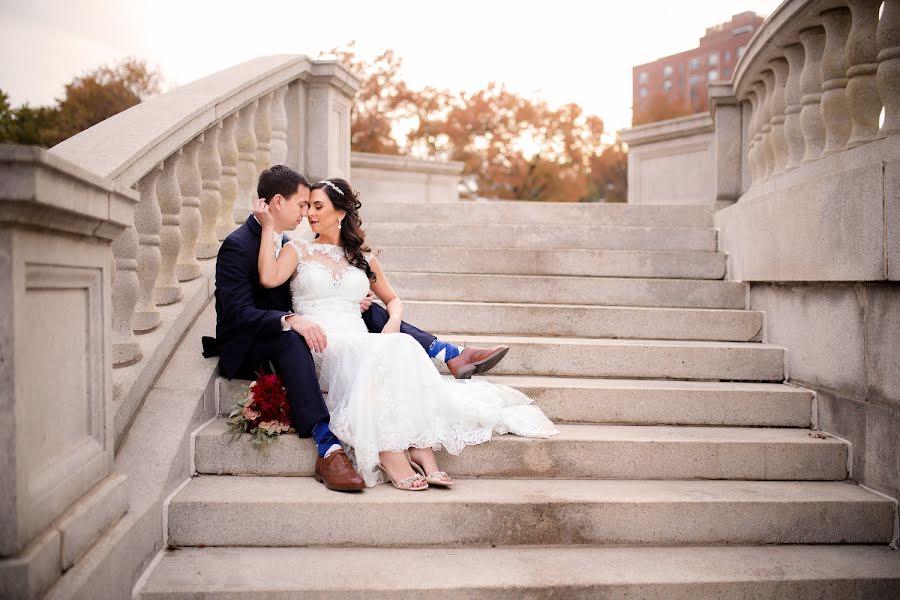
pixel 194 155
pixel 389 178
pixel 813 81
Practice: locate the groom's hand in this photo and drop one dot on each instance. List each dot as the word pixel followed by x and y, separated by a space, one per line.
pixel 312 333
pixel 366 302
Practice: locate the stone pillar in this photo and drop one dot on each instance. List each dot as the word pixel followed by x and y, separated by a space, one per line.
pixel 813 40
pixel 210 199
pixel 792 132
pixel 727 114
pixel 262 125
pixel 168 291
pixel 57 223
pixel 228 152
pixel 189 183
pixel 278 148
pixel 768 113
pixel 125 348
pixel 862 63
pixel 779 106
pixel 834 76
pixel 331 91
pixel 753 158
pixel 888 76
pixel 246 166
pixel 147 222
pixel 746 116
pixel 295 102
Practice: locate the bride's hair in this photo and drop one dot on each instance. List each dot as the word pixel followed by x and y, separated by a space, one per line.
pixel 353 238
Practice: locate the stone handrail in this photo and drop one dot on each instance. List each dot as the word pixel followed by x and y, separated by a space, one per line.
pixel 812 83
pixel 194 155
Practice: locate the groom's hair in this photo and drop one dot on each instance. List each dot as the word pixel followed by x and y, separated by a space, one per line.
pixel 279 179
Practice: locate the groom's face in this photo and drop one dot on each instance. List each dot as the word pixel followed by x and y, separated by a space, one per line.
pixel 289 212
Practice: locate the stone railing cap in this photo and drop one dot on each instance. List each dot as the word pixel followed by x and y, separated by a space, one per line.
pixel 668 129
pixel 363 160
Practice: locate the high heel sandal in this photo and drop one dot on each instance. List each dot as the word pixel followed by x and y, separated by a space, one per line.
pixel 406 483
pixel 438 478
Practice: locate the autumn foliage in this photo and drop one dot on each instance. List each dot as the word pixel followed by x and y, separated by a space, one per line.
pixel 512 147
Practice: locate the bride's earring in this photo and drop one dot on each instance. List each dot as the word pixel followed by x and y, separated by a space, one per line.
pixel 339 224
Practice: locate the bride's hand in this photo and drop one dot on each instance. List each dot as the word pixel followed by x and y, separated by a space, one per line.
pixel 311 332
pixel 262 214
pixel 366 303
pixel 392 326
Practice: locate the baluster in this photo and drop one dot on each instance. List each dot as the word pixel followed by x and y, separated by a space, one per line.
pixel 753 144
pixel 210 199
pixel 124 296
pixel 768 80
pixel 862 60
pixel 278 146
pixel 167 290
pixel 147 222
pixel 792 132
pixel 189 182
pixel 813 40
pixel 835 112
pixel 779 106
pixel 263 128
pixel 246 166
pixel 228 152
pixel 888 76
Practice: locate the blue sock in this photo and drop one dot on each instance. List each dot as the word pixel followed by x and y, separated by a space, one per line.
pixel 324 438
pixel 443 351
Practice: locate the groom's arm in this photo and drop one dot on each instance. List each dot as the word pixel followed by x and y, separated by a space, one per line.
pixel 236 293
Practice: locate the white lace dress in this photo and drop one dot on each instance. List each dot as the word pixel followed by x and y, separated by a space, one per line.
pixel 383 392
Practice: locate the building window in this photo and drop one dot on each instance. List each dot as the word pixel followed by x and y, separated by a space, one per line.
pixel 643 92
pixel 744 29
pixel 726 73
pixel 695 79
pixel 712 75
pixel 695 64
pixel 667 71
pixel 713 58
pixel 741 51
pixel 727 55
pixel 667 85
pixel 643 77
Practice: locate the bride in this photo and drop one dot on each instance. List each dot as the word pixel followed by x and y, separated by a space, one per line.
pixel 384 394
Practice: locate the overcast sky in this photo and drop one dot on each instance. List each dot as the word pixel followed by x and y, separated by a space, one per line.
pixel 559 50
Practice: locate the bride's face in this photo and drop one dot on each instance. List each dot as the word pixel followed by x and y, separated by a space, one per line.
pixel 323 216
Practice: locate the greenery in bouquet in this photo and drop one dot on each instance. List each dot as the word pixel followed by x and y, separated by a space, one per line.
pixel 264 413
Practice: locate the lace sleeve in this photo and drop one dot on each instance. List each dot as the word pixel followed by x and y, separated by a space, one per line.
pixel 301 247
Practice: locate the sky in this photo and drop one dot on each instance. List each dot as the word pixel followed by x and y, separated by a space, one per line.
pixel 559 50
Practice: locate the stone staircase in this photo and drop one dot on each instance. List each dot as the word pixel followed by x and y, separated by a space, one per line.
pixel 684 467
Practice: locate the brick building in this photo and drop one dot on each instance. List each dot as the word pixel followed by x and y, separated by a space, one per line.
pixel 680 80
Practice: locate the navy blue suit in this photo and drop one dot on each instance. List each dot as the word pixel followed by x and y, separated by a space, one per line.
pixel 248 327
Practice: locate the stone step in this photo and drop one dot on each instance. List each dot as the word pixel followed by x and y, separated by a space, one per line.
pixel 640 401
pixel 578 452
pixel 796 572
pixel 608 291
pixel 298 511
pixel 567 320
pixel 632 359
pixel 501 235
pixel 589 263
pixel 538 213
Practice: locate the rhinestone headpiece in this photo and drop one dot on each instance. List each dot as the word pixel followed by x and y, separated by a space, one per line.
pixel 332 186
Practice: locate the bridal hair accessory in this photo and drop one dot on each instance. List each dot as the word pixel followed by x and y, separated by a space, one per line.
pixel 332 186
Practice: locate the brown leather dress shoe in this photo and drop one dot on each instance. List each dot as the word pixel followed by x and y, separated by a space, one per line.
pixel 475 360
pixel 338 474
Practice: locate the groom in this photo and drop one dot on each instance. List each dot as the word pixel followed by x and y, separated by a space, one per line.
pixel 255 327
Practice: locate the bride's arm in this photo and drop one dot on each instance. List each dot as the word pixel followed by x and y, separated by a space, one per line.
pixel 272 272
pixel 382 288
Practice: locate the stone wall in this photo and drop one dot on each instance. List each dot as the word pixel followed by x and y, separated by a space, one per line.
pixel 387 178
pixel 672 162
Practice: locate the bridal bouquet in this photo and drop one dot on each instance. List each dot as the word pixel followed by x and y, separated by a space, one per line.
pixel 265 413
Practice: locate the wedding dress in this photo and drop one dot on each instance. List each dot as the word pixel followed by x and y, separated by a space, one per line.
pixel 383 392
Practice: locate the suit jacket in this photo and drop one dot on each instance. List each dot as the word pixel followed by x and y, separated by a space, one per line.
pixel 245 310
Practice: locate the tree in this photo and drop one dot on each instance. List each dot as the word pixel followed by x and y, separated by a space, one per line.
pixel 609 173
pixel 88 100
pixel 659 107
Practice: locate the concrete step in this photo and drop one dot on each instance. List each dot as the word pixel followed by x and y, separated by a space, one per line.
pixel 609 291
pixel 578 452
pixel 538 213
pixel 298 511
pixel 501 235
pixel 632 359
pixel 590 263
pixel 640 401
pixel 799 572
pixel 568 320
